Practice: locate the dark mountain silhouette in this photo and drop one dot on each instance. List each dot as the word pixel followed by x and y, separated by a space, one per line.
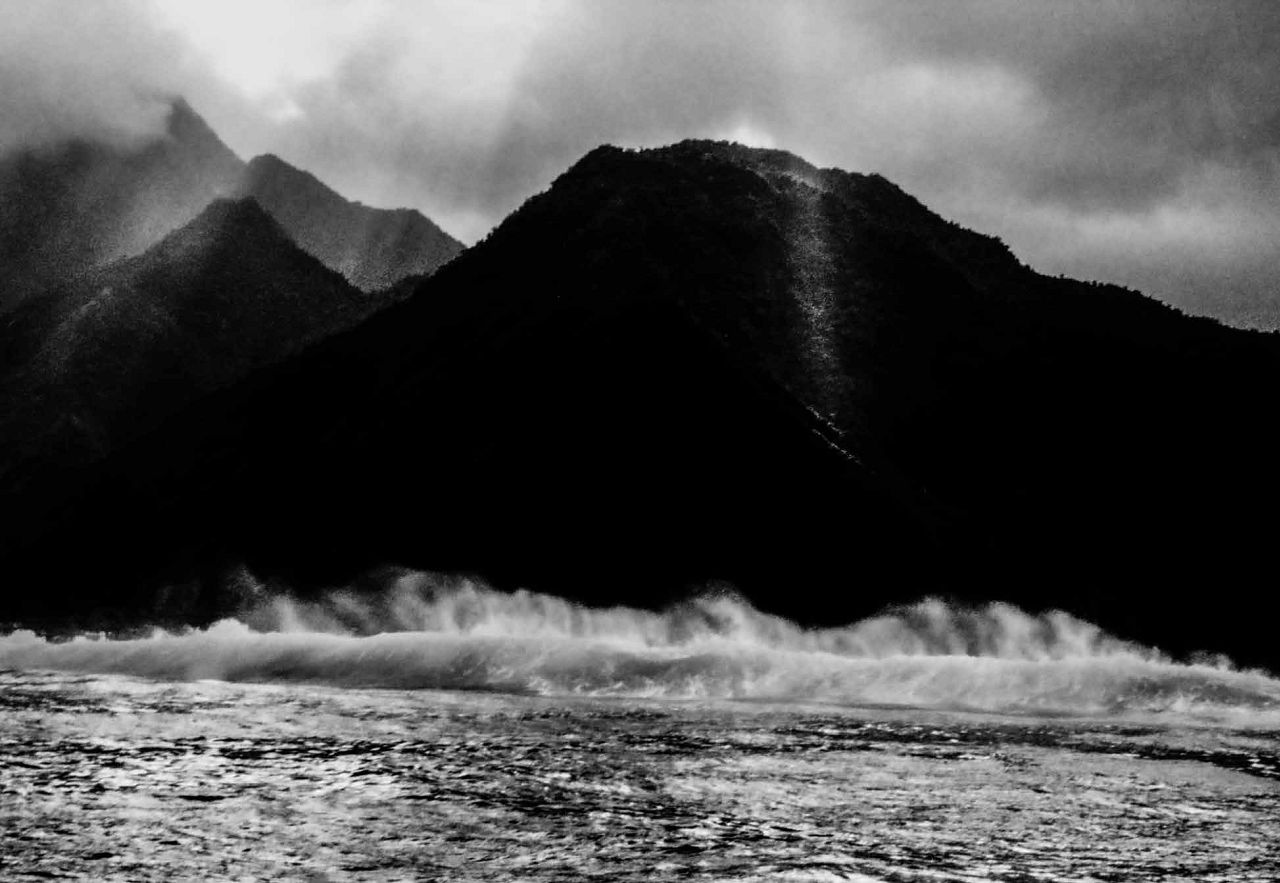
pixel 101 347
pixel 110 354
pixel 76 206
pixel 707 362
pixel 70 207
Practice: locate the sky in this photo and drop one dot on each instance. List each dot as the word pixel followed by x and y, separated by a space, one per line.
pixel 1131 142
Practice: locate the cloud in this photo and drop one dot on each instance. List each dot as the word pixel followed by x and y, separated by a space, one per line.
pixel 1134 142
pixel 85 70
pixel 1136 95
pixel 1155 160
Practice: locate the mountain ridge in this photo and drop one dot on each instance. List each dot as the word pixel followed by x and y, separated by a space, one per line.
pixel 626 390
pixel 372 248
pixel 109 354
pixel 68 208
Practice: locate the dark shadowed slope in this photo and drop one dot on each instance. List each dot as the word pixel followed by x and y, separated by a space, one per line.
pixel 372 248
pixel 72 207
pixel 708 362
pixel 109 355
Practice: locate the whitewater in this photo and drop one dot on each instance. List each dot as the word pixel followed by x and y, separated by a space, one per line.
pixel 436 728
pixel 425 631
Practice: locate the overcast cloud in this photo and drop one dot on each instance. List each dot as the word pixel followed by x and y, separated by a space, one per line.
pixel 1136 142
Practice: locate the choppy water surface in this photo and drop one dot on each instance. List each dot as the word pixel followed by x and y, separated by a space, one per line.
pixel 118 778
pixel 706 744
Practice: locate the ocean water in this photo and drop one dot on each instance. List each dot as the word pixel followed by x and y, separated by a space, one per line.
pixel 440 730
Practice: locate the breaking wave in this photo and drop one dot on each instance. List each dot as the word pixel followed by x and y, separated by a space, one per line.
pixel 423 631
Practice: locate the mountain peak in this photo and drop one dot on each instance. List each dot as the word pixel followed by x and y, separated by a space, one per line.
pixel 226 226
pixel 773 164
pixel 741 154
pixel 372 248
pixel 874 199
pixel 778 167
pixel 188 130
pixel 266 161
pixel 82 206
pixel 181 111
pixel 267 173
pixel 233 213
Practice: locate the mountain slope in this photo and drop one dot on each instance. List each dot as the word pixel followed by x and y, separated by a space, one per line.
pixel 706 362
pixel 372 248
pixel 107 356
pixel 77 206
pixel 71 207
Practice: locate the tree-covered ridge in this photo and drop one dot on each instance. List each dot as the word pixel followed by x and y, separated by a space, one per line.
pixel 373 248
pixel 72 207
pixel 705 362
pixel 104 358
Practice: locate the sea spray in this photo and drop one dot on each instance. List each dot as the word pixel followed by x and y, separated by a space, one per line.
pixel 423 631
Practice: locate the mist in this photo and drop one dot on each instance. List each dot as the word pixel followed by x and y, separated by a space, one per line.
pixel 428 631
pixel 1132 143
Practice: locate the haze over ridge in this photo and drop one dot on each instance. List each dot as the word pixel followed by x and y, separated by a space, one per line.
pixel 693 361
pixel 1137 144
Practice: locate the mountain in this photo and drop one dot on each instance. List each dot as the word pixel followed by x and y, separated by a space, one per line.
pixel 711 363
pixel 372 248
pixel 110 354
pixel 131 289
pixel 79 205
pixel 70 207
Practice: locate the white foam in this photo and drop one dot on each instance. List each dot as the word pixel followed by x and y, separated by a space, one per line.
pixel 423 631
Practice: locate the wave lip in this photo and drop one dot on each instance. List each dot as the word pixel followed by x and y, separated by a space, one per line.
pixel 425 632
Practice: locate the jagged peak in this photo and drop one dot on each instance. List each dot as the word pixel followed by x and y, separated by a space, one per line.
pixel 184 124
pixel 240 229
pixel 224 219
pixel 190 132
pixel 270 167
pixel 230 210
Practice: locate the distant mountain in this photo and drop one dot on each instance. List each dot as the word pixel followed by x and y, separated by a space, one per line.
pixel 70 207
pixel 372 248
pixel 76 206
pixel 707 362
pixel 112 353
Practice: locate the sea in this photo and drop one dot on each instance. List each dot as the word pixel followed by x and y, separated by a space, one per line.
pixel 438 729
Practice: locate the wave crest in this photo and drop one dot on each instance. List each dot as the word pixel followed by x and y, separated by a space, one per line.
pixel 425 631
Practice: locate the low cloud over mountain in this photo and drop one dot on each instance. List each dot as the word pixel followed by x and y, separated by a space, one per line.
pixel 1136 144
